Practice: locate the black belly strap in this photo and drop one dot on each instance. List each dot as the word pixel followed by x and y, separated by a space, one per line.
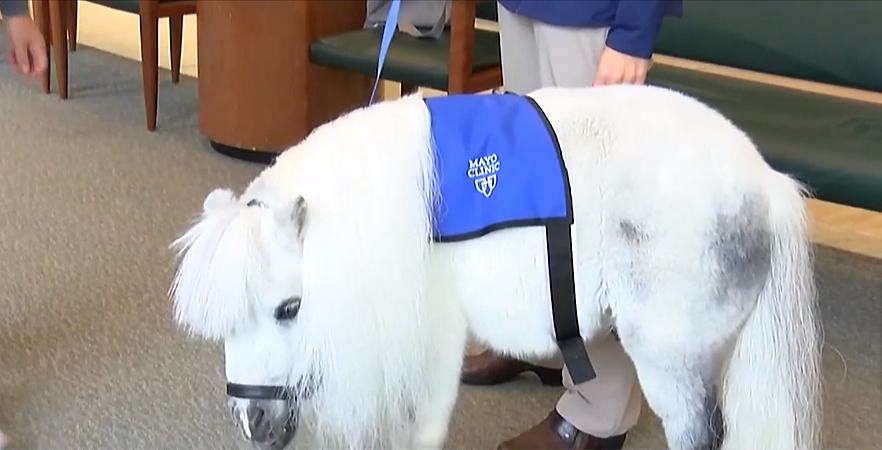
pixel 563 302
pixel 559 241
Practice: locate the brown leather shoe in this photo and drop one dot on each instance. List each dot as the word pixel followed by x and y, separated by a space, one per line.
pixel 555 433
pixel 491 368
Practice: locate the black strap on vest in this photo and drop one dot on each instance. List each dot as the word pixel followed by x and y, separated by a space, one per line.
pixel 559 241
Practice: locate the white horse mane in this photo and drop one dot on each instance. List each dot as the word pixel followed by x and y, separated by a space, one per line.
pixel 378 161
pixel 214 292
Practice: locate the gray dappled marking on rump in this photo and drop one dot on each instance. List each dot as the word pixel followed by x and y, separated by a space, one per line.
pixel 631 232
pixel 741 245
pixel 634 236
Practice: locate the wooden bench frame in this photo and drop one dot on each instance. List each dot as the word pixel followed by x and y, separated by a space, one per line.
pixel 461 79
pixel 462 40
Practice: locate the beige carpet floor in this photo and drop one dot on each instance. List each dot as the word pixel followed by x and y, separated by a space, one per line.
pixel 89 356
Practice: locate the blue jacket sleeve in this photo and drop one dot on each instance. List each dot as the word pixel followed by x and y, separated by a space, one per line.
pixel 10 8
pixel 636 27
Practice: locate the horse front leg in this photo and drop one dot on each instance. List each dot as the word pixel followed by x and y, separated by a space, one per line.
pixel 433 416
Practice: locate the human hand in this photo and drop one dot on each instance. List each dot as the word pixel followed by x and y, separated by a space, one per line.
pixel 28 55
pixel 618 68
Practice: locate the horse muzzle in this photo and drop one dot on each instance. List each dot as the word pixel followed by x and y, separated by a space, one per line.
pixel 266 416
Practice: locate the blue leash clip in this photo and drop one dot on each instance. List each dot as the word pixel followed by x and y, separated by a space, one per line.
pixel 388 31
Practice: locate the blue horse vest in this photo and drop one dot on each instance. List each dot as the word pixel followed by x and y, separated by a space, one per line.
pixel 498 164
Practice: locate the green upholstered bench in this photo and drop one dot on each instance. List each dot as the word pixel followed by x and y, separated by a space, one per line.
pixel 834 145
pixel 422 62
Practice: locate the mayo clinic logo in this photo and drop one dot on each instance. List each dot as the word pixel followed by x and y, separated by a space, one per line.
pixel 483 171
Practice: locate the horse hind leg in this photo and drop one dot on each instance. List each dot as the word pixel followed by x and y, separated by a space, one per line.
pixel 687 404
pixel 680 386
pixel 686 323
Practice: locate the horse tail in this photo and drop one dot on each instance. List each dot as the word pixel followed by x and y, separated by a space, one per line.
pixel 771 395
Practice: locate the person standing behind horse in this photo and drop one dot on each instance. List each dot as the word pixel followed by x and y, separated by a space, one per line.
pixel 28 54
pixel 576 43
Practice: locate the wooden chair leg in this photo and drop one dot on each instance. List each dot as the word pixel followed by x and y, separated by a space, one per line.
pixel 176 41
pixel 72 12
pixel 41 17
pixel 150 66
pixel 58 30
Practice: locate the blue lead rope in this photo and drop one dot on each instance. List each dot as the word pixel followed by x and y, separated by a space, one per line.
pixel 388 31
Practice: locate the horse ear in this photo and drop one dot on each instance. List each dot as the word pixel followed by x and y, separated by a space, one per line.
pixel 293 215
pixel 217 199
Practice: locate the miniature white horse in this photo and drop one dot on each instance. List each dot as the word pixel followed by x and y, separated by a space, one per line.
pixel 331 297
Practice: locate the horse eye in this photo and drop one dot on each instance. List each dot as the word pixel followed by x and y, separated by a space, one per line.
pixel 288 309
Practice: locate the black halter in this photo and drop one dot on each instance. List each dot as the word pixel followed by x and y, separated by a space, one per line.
pixel 256 392
pixel 304 390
